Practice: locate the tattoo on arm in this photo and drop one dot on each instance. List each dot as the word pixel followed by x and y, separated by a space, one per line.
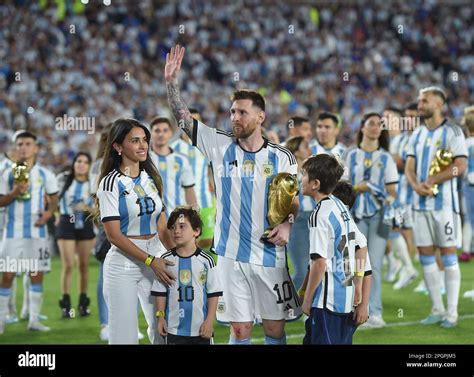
pixel 179 109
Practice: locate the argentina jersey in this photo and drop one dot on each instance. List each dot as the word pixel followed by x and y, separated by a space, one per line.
pixel 333 235
pixel 242 181
pixel 186 304
pixel 21 215
pixel 470 161
pixel 423 145
pixel 378 169
pixel 176 175
pixel 134 201
pixel 5 164
pixel 94 173
pixel 316 148
pixel 199 166
pixel 405 191
pixel 77 192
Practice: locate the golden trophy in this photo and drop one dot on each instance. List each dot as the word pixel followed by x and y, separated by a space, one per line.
pixel 21 174
pixel 283 189
pixel 442 160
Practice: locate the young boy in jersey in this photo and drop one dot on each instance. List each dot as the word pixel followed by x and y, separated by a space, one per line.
pixel 187 309
pixel 335 279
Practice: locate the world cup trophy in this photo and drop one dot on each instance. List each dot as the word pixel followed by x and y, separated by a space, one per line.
pixel 21 174
pixel 442 160
pixel 282 192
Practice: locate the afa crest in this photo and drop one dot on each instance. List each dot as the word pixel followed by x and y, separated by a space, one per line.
pixel 267 169
pixel 202 276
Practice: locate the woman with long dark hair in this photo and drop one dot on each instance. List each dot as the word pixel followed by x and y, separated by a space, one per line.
pixel 75 232
pixel 131 208
pixel 373 174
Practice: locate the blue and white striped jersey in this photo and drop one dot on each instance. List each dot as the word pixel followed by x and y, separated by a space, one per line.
pixel 469 175
pixel 378 169
pixel 5 163
pixel 338 150
pixel 134 201
pixel 405 191
pixel 333 235
pixel 199 166
pixel 77 192
pixel 242 181
pixel 423 145
pixel 177 175
pixel 94 173
pixel 186 304
pixel 21 215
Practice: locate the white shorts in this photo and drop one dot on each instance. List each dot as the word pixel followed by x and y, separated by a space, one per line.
pixel 252 292
pixel 25 255
pixel 437 228
pixel 407 217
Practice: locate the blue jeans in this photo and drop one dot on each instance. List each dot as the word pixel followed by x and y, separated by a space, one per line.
pixel 298 247
pixel 372 229
pixel 103 312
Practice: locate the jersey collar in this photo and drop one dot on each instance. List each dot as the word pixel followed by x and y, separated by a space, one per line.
pixel 175 254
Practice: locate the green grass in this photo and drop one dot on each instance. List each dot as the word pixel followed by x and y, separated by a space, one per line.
pixel 400 307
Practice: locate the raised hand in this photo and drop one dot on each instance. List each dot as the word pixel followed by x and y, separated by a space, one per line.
pixel 173 63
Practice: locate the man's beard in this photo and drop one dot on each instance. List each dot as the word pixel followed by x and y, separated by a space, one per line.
pixel 244 134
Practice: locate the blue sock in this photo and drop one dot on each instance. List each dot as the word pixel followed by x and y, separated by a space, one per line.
pixel 5 291
pixel 36 288
pixel 449 260
pixel 275 341
pixel 239 342
pixel 426 260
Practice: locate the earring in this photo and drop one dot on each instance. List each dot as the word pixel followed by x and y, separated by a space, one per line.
pixel 119 153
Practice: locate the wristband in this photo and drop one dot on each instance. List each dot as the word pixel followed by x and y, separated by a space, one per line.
pixel 356 187
pixel 359 274
pixel 149 260
pixel 160 314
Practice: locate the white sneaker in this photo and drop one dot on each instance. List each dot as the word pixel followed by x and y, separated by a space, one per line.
pixel 469 294
pixel 421 287
pixel 11 318
pixel 104 333
pixel 405 279
pixel 140 335
pixel 393 269
pixel 37 326
pixel 374 322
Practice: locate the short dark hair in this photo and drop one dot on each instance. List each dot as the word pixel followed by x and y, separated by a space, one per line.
pixel 328 115
pixel 157 120
pixel 412 106
pixel 256 98
pixel 437 91
pixel 297 121
pixel 326 169
pixel 24 134
pixel 345 193
pixel 395 109
pixel 193 110
pixel 189 213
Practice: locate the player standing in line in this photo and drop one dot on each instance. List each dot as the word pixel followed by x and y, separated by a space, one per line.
pixel 204 187
pixel 327 129
pixel 187 310
pixel 254 275
pixel 132 212
pixel 75 232
pixel 174 168
pixel 25 237
pixel 373 174
pixel 335 281
pixel 299 126
pixel 437 216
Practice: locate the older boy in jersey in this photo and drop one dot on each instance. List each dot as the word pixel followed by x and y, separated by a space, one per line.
pixel 174 168
pixel 327 129
pixel 300 126
pixel 334 281
pixel 25 236
pixel 187 310
pixel 254 275
pixel 437 216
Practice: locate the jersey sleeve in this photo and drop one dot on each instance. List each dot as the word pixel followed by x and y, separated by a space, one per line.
pixel 411 143
pixel 208 140
pixel 214 286
pixel 318 236
pixel 391 173
pixel 4 182
pixel 288 163
pixel 360 239
pixel 158 288
pixel 187 176
pixel 457 143
pixel 51 184
pixel 108 201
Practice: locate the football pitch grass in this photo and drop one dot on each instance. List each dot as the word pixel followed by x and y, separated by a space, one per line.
pixel 402 311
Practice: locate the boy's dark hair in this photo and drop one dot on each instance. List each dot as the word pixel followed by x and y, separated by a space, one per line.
pixel 297 121
pixel 345 193
pixel 413 106
pixel 256 98
pixel 328 115
pixel 189 213
pixel 157 120
pixel 326 169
